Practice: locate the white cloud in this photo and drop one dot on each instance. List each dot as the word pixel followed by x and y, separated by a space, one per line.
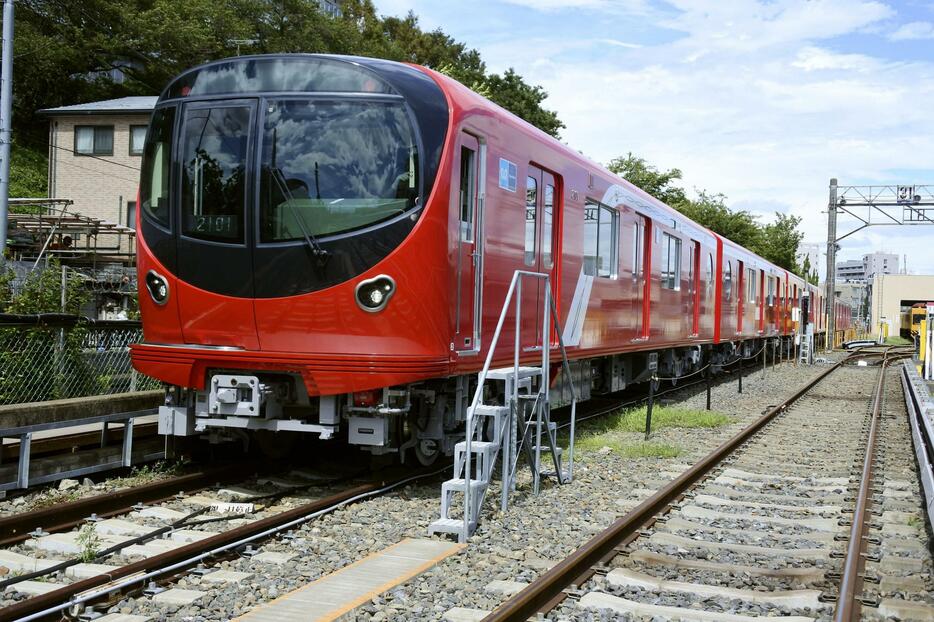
pixel 818 59
pixel 760 112
pixel 753 25
pixel 753 99
pixel 633 7
pixel 621 44
pixel 913 30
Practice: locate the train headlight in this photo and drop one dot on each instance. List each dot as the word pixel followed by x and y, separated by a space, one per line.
pixel 373 294
pixel 158 287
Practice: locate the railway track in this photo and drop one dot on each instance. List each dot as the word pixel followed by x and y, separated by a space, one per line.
pixel 778 521
pixel 146 550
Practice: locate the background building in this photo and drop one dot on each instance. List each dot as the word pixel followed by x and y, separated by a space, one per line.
pixel 850 270
pixel 94 156
pixel 813 254
pixel 864 270
pixel 891 292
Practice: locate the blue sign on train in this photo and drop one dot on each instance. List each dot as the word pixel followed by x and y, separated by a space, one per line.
pixel 507 175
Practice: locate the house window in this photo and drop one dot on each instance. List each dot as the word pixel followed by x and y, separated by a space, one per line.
pixel 601 253
pixel 671 262
pixel 94 140
pixel 137 138
pixel 131 214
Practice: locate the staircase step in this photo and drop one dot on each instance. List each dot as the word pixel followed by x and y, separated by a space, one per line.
pixel 458 485
pixel 509 372
pixel 446 525
pixel 547 450
pixel 486 410
pixel 477 447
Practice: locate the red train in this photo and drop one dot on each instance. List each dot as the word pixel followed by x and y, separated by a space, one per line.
pixel 325 244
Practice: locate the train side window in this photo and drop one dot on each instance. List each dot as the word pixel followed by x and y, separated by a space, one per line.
pixel 608 250
pixel 691 272
pixel 709 273
pixel 671 262
pixel 728 280
pixel 548 225
pixel 157 161
pixel 750 285
pixel 467 191
pixel 638 255
pixel 531 210
pixel 601 246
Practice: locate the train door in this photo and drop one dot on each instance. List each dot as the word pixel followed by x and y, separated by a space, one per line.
pixel 467 202
pixel 741 298
pixel 761 300
pixel 776 292
pixel 214 160
pixel 695 289
pixel 540 254
pixel 641 244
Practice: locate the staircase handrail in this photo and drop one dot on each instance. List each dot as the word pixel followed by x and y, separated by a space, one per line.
pixel 515 285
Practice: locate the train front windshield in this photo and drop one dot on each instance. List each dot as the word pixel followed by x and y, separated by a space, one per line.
pixel 296 172
pixel 332 167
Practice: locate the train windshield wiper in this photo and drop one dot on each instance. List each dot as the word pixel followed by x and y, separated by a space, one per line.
pixel 320 254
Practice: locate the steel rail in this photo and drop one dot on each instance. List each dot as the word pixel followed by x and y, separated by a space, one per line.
pixel 16 528
pixel 849 599
pixel 546 591
pixel 190 554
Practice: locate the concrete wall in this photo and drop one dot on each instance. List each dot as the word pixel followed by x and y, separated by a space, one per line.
pixel 888 292
pixel 100 187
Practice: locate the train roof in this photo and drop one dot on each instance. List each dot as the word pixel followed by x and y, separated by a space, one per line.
pixel 620 188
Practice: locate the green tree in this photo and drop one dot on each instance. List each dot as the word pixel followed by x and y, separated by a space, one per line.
pixel 777 241
pixel 68 51
pixel 780 240
pixel 711 211
pixel 660 184
pixel 28 171
pixel 513 94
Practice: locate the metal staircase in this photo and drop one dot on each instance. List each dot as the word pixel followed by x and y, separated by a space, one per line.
pixel 498 433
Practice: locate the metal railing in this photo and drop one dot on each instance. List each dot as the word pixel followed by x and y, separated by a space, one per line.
pixel 51 356
pixel 508 461
pixel 920 406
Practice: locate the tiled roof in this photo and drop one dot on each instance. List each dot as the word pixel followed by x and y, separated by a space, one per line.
pixel 124 105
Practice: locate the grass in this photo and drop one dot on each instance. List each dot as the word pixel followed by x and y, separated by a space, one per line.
pixel 627 448
pixel 147 473
pixel 633 420
pixel 622 431
pixel 897 340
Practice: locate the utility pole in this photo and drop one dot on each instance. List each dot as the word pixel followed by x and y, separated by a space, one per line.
pixel 6 118
pixel 831 256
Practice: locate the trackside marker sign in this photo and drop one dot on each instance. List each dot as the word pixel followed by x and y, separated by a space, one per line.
pixel 232 508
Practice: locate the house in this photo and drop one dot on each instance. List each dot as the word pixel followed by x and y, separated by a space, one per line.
pixel 94 156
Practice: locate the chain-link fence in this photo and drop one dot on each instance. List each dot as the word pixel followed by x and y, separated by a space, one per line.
pixel 53 357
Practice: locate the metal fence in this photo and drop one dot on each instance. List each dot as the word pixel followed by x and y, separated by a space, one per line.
pixel 49 357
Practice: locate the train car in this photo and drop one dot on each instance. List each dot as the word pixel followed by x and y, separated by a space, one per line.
pixel 911 319
pixel 325 245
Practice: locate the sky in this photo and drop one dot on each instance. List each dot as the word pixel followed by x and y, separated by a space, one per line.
pixel 763 101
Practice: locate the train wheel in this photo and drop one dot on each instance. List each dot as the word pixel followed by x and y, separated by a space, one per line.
pixel 427 451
